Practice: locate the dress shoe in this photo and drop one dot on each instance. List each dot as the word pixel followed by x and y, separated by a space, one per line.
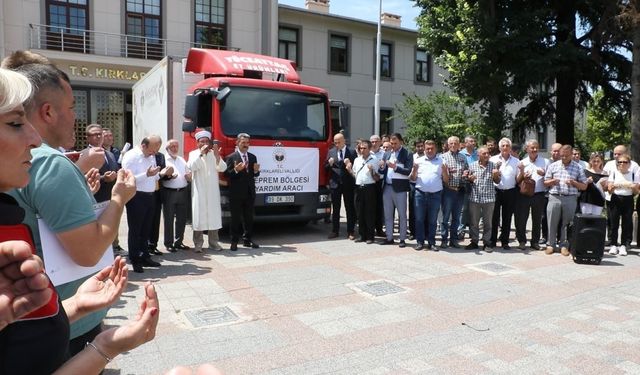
pixel 433 247
pixel 542 241
pixel 198 250
pixel 411 237
pixel 137 268
pixel 487 249
pixel 155 251
pixel 369 242
pixel 172 249
pixel 181 246
pixel 387 242
pixel 358 240
pixel 247 243
pixel 454 244
pixel 535 246
pixel 472 246
pixel 402 244
pixel 351 236
pixel 505 246
pixel 118 250
pixel 234 246
pixel 148 262
pixel 332 235
pixel 418 247
pixel 380 233
pixel 443 245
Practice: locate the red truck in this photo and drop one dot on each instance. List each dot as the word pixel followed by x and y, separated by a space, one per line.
pixel 289 124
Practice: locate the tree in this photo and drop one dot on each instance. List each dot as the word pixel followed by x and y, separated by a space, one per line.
pixel 502 52
pixel 606 127
pixel 438 116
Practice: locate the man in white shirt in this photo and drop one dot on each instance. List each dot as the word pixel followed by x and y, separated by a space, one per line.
pixel 506 193
pixel 142 164
pixel 430 174
pixel 533 166
pixel 364 170
pixel 378 152
pixel 175 198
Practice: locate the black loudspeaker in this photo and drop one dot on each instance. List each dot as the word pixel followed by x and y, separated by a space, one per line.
pixel 586 238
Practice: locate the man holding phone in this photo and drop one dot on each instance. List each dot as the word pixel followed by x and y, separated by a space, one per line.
pixel 205 163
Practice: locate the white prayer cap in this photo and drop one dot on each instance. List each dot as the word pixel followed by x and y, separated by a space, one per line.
pixel 203 134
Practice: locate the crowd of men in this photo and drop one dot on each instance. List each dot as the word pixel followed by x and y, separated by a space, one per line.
pixel 464 187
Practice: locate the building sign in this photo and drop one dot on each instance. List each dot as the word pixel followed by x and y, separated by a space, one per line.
pixel 286 169
pixel 96 72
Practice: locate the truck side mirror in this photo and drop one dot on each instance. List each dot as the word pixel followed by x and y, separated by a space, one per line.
pixel 197 111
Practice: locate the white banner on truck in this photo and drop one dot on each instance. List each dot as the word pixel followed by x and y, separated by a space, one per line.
pixel 286 169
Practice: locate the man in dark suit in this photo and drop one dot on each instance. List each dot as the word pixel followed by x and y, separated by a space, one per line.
pixel 341 183
pixel 395 166
pixel 242 169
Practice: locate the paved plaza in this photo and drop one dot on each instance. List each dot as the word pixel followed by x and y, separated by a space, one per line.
pixel 302 304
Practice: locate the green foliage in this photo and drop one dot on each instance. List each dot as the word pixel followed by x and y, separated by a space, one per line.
pixel 550 55
pixel 606 127
pixel 438 116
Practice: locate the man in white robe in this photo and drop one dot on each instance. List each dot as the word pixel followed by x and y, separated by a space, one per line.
pixel 205 163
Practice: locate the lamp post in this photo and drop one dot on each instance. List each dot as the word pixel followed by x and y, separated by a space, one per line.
pixel 376 104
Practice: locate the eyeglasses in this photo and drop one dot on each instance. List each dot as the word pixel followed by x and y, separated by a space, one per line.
pixel 363 148
pixel 623 162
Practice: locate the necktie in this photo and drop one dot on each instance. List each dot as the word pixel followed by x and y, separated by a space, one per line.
pixel 244 158
pixel 341 157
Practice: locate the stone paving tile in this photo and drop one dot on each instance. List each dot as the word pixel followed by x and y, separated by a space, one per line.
pixel 484 291
pixel 295 285
pixel 407 268
pixel 270 254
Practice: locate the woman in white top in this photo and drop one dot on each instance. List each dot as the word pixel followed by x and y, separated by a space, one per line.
pixel 623 185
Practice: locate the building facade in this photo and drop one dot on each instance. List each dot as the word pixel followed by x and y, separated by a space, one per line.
pixel 106 46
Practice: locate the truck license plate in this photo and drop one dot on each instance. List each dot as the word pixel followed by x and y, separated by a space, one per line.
pixel 280 199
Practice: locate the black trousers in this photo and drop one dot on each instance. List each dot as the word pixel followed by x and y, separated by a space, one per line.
pixel 502 212
pixel 379 207
pixel 139 216
pixel 365 205
pixel 175 205
pixel 241 218
pixel 621 210
pixel 412 213
pixel 337 195
pixel 155 223
pixel 536 205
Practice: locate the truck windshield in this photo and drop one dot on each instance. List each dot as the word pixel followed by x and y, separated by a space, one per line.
pixel 273 114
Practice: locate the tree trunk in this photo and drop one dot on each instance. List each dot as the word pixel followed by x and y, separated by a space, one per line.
pixel 635 94
pixel 566 79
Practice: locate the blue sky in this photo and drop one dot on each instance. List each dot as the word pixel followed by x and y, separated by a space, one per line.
pixel 367 9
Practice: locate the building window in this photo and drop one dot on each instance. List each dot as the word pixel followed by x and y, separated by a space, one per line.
pixel 385 60
pixel 288 44
pixel 386 124
pixel 143 28
pixel 338 53
pixel 210 23
pixel 67 25
pixel 422 66
pixel 542 136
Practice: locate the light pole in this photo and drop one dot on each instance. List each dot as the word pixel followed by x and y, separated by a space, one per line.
pixel 376 104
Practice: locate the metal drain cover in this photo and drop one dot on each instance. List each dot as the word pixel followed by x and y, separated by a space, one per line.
pixel 379 288
pixel 211 316
pixel 493 268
